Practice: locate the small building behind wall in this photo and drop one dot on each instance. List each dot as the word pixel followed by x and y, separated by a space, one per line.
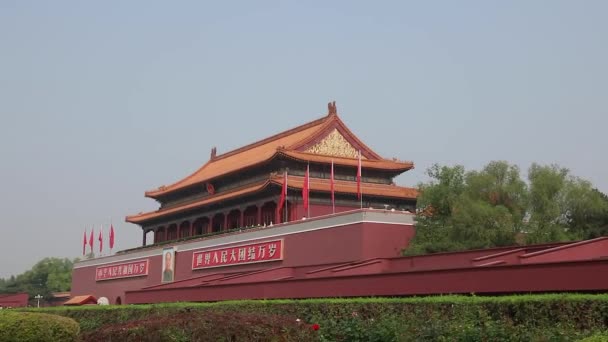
pixel 81 300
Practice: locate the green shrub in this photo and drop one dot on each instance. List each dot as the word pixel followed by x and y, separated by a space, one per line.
pixel 206 326
pixel 597 337
pixel 35 327
pixel 549 317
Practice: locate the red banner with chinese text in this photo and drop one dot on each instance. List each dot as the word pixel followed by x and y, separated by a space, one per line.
pixel 238 255
pixel 124 270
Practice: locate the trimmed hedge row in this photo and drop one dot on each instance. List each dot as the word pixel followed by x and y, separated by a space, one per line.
pixel 206 326
pixel 27 326
pixel 554 317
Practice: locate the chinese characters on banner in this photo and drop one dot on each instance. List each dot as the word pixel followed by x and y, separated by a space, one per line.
pixel 238 255
pixel 124 270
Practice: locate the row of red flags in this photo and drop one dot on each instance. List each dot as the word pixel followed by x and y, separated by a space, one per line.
pixel 91 241
pixel 306 188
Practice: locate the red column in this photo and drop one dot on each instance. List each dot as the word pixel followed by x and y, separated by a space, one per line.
pixel 226 221
pixel 192 228
pixel 166 233
pixel 242 219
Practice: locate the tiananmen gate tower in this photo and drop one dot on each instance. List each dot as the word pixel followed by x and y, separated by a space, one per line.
pixel 311 212
pixel 242 188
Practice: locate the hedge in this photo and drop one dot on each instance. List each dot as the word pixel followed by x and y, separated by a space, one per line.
pixel 26 326
pixel 553 317
pixel 206 326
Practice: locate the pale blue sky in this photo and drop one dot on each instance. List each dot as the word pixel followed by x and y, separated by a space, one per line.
pixel 102 101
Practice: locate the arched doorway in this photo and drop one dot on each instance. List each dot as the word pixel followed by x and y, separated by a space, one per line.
pixel 201 226
pixel 250 216
pixel 269 212
pixel 234 218
pixel 159 235
pixel 172 232
pixel 118 301
pixel 184 229
pixel 217 224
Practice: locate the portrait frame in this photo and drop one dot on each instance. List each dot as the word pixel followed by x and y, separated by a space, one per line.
pixel 167 275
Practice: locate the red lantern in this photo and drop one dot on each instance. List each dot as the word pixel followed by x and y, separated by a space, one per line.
pixel 210 189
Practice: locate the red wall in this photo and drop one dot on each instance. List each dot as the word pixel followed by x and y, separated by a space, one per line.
pixel 583 250
pixel 317 210
pixel 13 300
pixel 566 276
pixel 334 245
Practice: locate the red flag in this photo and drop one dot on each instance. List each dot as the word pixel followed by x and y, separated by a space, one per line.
pixel 100 239
pixel 111 236
pixel 91 241
pixel 306 189
pixel 359 177
pixel 84 242
pixel 282 198
pixel 331 182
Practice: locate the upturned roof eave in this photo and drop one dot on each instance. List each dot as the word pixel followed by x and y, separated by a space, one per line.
pixel 182 183
pixel 142 218
pixel 275 180
pixel 393 166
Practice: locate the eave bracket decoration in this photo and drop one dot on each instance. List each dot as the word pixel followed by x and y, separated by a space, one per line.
pixel 335 145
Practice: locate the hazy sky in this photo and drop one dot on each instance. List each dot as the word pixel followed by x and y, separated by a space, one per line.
pixel 102 101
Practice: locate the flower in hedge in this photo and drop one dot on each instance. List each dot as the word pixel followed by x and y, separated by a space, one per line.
pixel 315 327
pixel 355 314
pixel 298 320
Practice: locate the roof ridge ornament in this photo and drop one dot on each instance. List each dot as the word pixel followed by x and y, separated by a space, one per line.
pixel 331 108
pixel 213 153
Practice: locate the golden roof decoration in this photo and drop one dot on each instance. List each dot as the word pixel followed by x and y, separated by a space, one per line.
pixel 335 145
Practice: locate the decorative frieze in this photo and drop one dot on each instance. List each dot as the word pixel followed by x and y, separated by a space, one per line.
pixel 334 144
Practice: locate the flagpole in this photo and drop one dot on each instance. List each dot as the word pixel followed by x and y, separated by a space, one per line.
pixel 360 180
pixel 285 209
pixel 308 190
pixel 92 240
pixel 110 232
pixel 101 241
pixel 333 198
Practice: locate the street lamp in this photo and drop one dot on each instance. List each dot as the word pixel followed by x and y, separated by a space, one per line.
pixel 38 297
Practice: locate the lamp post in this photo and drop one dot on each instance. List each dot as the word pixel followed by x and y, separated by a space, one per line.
pixel 38 297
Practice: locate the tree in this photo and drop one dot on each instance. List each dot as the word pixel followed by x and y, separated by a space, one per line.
pixel 460 209
pixel 46 276
pixel 563 207
pixel 493 204
pixel 435 205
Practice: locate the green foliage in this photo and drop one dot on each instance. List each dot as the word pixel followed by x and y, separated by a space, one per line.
pixel 34 327
pixel 48 275
pixel 564 207
pixel 553 317
pixel 597 337
pixel 460 209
